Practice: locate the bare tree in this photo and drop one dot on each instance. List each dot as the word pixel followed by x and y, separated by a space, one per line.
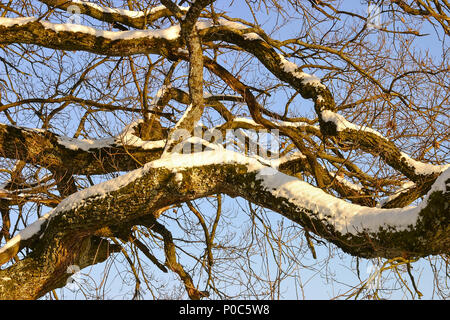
pixel 116 142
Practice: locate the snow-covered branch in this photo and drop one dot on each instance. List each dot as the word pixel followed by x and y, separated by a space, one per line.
pixel 130 18
pixel 79 37
pixel 375 143
pixel 79 156
pixel 348 225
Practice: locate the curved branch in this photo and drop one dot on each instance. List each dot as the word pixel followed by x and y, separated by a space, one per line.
pixel 78 156
pixel 361 231
pixel 134 19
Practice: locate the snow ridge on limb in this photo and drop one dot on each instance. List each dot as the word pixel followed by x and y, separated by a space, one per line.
pixel 239 175
pixel 134 19
pixel 306 78
pixel 170 33
pixel 373 141
pixel 126 138
pixel 80 156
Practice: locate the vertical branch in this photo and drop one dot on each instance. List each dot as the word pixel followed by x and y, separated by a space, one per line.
pixel 6 223
pixel 192 40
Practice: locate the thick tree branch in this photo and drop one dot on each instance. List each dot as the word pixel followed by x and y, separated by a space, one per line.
pixel 177 179
pixel 55 153
pixel 134 19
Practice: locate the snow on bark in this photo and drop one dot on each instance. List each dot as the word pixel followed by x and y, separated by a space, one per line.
pixel 404 188
pixel 420 168
pixel 306 78
pixel 9 22
pixel 345 217
pixel 347 183
pixel 128 13
pixel 291 124
pixel 85 144
pixel 124 12
pixel 169 33
pixel 125 138
pixel 342 123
